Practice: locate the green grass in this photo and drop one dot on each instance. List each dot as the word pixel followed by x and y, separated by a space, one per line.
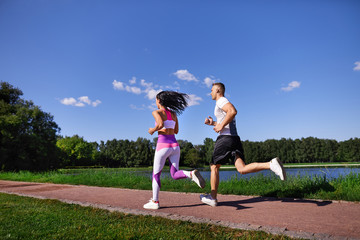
pixel 29 218
pixel 344 188
pixel 317 164
pixel 313 164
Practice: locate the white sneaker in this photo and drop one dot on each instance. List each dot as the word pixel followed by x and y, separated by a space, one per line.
pixel 152 205
pixel 207 199
pixel 277 167
pixel 197 178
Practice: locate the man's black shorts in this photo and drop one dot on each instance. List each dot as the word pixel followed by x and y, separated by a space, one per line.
pixel 227 146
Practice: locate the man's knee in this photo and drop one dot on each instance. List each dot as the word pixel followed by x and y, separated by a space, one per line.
pixel 241 170
pixel 215 167
pixel 240 166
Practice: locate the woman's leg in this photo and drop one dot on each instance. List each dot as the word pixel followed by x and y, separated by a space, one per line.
pixel 159 162
pixel 174 165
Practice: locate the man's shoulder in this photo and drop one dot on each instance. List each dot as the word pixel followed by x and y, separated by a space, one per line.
pixel 221 102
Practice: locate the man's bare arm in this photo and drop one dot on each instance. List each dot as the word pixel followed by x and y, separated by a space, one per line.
pixel 230 115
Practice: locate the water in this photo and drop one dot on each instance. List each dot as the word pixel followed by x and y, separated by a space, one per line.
pixel 329 172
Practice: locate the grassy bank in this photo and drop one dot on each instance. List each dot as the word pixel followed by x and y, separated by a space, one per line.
pixel 344 188
pixel 315 164
pixel 28 218
pixel 323 164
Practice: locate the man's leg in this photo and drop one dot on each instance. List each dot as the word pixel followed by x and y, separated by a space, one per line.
pixel 274 165
pixel 210 199
pixel 242 168
pixel 214 179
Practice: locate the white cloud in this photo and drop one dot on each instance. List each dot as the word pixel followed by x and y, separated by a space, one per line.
pixel 132 80
pixel 80 102
pixel 193 100
pixel 68 101
pixel 85 99
pixel 185 75
pixel 151 94
pixel 357 67
pixel 148 88
pixel 152 107
pixel 135 90
pixel 291 86
pixel 118 85
pixel 123 87
pixel 145 84
pixel 176 86
pixel 132 106
pixel 97 102
pixel 209 82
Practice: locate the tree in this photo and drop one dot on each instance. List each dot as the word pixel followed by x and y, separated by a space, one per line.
pixel 349 150
pixel 185 146
pixel 208 149
pixel 27 134
pixel 76 151
pixel 192 158
pixel 144 152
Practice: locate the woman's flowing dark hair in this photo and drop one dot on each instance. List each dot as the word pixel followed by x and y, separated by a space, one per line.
pixel 174 101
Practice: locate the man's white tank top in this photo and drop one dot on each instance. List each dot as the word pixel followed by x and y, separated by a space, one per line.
pixel 229 129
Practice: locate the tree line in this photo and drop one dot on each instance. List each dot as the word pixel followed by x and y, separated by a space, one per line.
pixel 125 153
pixel 30 140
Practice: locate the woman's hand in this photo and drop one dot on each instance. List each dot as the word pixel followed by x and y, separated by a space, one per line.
pixel 151 131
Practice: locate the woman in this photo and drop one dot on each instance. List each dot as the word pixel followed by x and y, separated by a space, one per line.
pixel 169 104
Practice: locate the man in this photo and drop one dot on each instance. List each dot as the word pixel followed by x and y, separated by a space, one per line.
pixel 228 144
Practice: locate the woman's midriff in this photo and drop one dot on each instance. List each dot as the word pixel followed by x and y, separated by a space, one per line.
pixel 166 141
pixel 168 131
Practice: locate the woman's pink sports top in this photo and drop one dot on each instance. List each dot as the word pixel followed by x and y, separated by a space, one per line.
pixel 167 141
pixel 168 123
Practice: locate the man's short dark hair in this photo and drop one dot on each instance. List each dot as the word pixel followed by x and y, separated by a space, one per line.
pixel 221 87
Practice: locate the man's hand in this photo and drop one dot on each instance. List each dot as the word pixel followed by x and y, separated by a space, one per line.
pixel 218 127
pixel 209 121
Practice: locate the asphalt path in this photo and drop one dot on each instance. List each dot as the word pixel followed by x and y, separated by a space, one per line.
pixel 302 218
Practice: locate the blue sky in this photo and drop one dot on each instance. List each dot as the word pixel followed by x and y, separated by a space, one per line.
pixel 291 68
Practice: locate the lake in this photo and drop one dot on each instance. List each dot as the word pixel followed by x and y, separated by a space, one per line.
pixel 329 172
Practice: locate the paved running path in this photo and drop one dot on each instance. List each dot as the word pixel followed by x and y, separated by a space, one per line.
pixel 313 219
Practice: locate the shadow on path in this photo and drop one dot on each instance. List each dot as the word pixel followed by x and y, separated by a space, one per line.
pixel 183 206
pixel 238 204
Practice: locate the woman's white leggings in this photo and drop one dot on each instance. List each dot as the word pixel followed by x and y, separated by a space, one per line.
pixel 173 153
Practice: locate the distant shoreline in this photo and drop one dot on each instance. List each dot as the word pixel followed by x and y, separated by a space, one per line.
pixel 323 165
pixel 311 165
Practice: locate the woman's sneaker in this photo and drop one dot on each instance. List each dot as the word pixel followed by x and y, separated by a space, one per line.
pixel 277 167
pixel 197 178
pixel 152 205
pixel 207 199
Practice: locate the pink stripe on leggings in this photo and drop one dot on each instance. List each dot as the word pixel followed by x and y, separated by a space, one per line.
pixel 160 146
pixel 156 177
pixel 176 174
